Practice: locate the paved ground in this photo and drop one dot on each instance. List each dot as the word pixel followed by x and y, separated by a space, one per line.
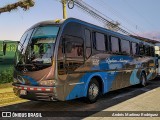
pixel 131 98
pixel 149 101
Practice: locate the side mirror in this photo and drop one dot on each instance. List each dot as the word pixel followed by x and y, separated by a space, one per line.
pixel 4 48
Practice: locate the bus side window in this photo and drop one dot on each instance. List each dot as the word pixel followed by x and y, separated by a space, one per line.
pixel 137 49
pixel 114 44
pixel 107 43
pixel 147 50
pixel 88 43
pixel 152 51
pixel 70 54
pixel 125 46
pixel 134 48
pixel 99 42
pixel 141 49
pixel 74 47
pixel 74 53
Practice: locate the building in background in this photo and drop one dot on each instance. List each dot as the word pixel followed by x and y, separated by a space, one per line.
pixel 7 60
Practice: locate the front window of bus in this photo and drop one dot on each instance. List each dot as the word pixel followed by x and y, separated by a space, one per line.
pixel 36 48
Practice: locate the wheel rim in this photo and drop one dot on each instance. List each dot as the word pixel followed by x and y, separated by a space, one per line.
pixel 93 91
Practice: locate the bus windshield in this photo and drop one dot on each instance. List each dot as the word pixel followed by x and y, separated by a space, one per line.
pixel 36 47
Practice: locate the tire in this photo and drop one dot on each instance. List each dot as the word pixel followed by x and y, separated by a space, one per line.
pixel 143 80
pixel 93 91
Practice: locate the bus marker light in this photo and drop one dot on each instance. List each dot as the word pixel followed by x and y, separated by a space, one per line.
pixel 34 89
pixel 25 88
pixel 31 88
pixel 38 89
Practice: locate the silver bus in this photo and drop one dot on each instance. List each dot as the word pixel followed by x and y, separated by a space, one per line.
pixel 68 59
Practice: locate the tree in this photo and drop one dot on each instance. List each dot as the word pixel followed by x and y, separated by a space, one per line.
pixel 25 4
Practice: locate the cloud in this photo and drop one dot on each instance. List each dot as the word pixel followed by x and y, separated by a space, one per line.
pixel 151 35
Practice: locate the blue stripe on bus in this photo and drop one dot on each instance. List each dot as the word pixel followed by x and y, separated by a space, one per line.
pixel 31 80
pixel 107 77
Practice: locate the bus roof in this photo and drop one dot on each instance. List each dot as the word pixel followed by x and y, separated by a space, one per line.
pixel 62 22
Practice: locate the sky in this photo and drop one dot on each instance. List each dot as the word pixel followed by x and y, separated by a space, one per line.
pixel 140 17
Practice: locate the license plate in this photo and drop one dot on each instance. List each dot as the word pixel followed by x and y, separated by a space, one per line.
pixel 23 92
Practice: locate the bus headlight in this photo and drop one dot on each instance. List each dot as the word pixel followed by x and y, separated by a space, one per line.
pixel 47 83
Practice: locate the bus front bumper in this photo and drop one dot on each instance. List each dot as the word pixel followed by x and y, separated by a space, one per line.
pixel 35 92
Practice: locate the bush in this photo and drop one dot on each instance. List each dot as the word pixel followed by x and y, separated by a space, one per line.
pixel 6 76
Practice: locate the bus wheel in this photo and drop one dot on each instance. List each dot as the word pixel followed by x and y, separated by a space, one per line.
pixel 93 91
pixel 143 80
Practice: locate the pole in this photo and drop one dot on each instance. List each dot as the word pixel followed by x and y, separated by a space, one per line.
pixel 64 9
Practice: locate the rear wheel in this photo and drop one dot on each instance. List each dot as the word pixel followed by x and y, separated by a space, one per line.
pixel 93 91
pixel 143 80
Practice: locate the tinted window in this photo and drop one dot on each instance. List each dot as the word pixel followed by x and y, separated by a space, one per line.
pixel 115 44
pixel 147 50
pixel 74 47
pixel 100 41
pixel 88 43
pixel 88 38
pixel 152 51
pixel 141 49
pixel 24 41
pixel 106 43
pixel 70 54
pixel 134 48
pixel 125 46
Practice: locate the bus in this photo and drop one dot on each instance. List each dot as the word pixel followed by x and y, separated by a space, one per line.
pixel 68 59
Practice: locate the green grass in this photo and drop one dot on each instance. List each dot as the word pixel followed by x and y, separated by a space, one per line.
pixel 6 90
pixel 5 85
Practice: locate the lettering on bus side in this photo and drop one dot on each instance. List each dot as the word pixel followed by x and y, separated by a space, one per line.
pixel 95 60
pixel 109 61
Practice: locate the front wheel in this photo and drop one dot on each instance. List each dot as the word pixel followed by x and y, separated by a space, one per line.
pixel 93 91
